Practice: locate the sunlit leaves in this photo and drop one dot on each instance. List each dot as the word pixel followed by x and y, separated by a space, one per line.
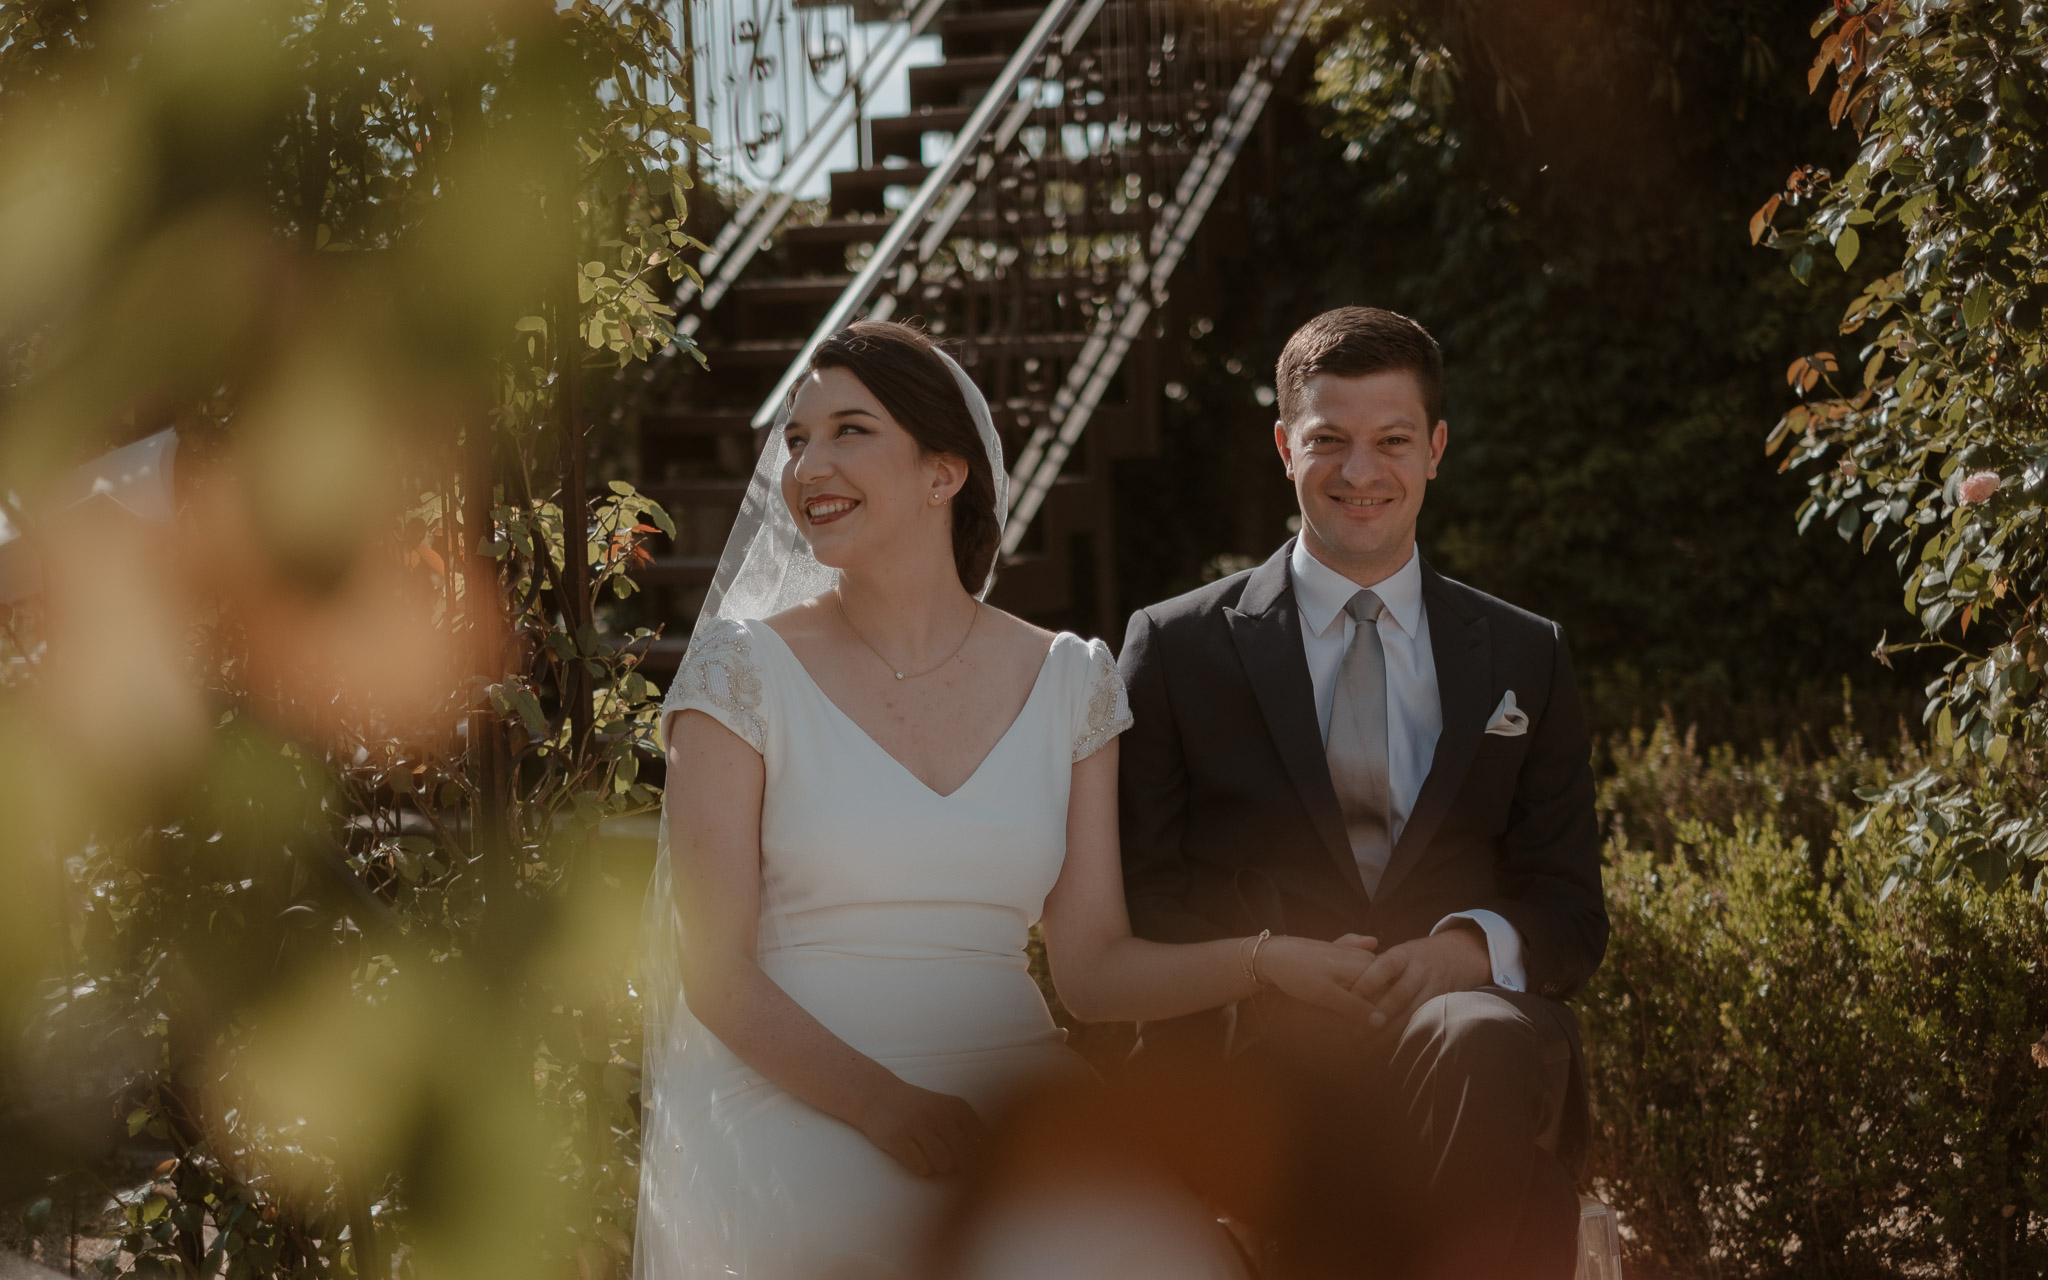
pixel 1805 373
pixel 1948 101
pixel 1761 219
pixel 1353 78
pixel 1847 246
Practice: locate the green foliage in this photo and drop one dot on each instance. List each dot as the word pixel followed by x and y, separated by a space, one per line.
pixel 1653 781
pixel 306 795
pixel 1932 442
pixel 1792 1073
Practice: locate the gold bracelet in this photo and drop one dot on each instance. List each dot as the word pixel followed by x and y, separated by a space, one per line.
pixel 1252 969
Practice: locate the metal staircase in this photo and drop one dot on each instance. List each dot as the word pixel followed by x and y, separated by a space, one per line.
pixel 1031 204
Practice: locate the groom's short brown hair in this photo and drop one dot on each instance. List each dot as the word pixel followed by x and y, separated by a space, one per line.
pixel 1352 342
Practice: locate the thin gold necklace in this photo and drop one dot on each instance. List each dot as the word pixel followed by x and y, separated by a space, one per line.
pixel 840 601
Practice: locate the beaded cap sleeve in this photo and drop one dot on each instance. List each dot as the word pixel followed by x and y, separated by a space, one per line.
pixel 1108 708
pixel 721 678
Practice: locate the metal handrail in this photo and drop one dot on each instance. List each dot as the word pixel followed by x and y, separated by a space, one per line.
pixel 740 239
pixel 883 261
pixel 1117 327
pixel 943 221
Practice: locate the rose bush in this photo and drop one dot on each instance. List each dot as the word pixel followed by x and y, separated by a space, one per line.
pixel 1930 438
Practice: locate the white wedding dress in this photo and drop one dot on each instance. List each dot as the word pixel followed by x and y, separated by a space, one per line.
pixel 898 918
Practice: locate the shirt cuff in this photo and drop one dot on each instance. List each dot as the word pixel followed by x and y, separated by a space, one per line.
pixel 1503 947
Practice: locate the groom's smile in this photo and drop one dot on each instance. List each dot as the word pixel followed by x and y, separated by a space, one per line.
pixel 1361 451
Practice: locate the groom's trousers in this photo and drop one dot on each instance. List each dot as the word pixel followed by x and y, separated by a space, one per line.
pixel 1446 1150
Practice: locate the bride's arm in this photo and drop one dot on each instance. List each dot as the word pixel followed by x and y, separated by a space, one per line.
pixel 715 785
pixel 1104 974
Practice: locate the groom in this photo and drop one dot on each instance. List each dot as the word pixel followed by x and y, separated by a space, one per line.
pixel 1342 741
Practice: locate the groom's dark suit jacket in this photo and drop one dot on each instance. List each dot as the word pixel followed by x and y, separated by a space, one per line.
pixel 1231 824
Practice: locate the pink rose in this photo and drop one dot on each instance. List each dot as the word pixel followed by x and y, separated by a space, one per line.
pixel 1977 487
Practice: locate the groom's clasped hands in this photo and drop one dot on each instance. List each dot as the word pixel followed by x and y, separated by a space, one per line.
pixel 1389 988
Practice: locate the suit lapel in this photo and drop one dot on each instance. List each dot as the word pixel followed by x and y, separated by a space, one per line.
pixel 1266 627
pixel 1462 648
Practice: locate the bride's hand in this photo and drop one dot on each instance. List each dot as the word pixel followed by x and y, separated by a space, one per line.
pixel 1322 973
pixel 927 1133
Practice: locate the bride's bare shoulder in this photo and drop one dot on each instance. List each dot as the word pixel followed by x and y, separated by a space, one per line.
pixel 806 621
pixel 1024 638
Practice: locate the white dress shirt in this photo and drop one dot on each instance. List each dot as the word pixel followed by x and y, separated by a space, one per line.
pixel 1415 715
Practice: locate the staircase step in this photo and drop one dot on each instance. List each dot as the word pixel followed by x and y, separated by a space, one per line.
pixel 1036 223
pixel 955 81
pixel 840 232
pixel 860 190
pixel 837 233
pixel 821 249
pixel 904 135
pixel 1000 31
pixel 800 289
pixel 820 292
pixel 777 353
pixel 996 31
pixel 751 353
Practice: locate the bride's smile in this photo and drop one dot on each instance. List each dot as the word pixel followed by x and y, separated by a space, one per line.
pixel 826 509
pixel 861 488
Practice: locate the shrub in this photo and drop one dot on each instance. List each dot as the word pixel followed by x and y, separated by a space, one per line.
pixel 1794 1073
pixel 1652 780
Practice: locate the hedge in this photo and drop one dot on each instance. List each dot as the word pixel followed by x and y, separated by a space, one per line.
pixel 1794 1071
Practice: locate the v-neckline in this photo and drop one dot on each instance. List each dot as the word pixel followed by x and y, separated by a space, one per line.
pixel 1037 682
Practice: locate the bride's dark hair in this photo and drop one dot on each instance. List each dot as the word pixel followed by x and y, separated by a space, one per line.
pixel 903 369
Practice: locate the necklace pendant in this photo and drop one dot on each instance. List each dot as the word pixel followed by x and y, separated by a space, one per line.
pixel 899 675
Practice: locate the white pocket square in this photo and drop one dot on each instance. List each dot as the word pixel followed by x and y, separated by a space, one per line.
pixel 1509 720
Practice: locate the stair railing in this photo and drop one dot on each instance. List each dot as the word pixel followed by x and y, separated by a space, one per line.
pixel 972 137
pixel 1143 289
pixel 948 215
pixel 763 213
pixel 894 269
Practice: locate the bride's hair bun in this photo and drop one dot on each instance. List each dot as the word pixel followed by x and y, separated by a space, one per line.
pixel 902 368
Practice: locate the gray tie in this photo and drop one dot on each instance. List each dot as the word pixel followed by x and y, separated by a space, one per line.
pixel 1357 748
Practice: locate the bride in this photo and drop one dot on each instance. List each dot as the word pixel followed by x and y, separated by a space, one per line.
pixel 876 784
